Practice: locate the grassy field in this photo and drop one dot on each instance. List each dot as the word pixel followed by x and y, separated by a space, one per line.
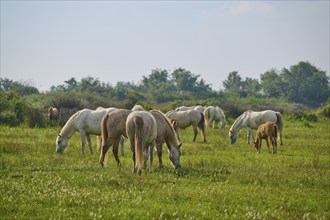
pixel 217 180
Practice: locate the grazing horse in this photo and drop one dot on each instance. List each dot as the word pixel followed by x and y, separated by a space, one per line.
pixel 113 127
pixel 141 128
pixel 166 133
pixel 266 131
pixel 215 115
pixel 252 120
pixel 85 121
pixel 52 114
pixel 183 119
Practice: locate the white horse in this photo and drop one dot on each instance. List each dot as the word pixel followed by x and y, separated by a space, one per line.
pixel 183 119
pixel 215 115
pixel 85 121
pixel 252 120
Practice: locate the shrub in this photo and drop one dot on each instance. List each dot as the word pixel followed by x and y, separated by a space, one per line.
pixel 35 118
pixel 12 108
pixel 302 116
pixel 324 111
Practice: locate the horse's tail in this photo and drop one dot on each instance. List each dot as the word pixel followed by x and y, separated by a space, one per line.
pixel 104 131
pixel 139 159
pixel 279 121
pixel 201 125
pixel 207 116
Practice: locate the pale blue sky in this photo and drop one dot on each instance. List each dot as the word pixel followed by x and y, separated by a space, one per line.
pixel 47 42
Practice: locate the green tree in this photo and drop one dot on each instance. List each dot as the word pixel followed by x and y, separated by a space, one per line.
pixel 304 83
pixel 251 87
pixel 187 82
pixel 71 84
pixel 22 89
pixel 233 83
pixel 272 83
pixel 157 86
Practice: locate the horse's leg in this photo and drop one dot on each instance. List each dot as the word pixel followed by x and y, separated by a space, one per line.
pixel 202 129
pixel 115 150
pixel 259 146
pixel 268 145
pixel 160 154
pixel 249 134
pixel 280 135
pixel 99 142
pixel 122 146
pixel 203 134
pixel 104 150
pixel 151 155
pixel 89 143
pixel 133 153
pixel 274 145
pixel 82 138
pixel 146 153
pixel 195 133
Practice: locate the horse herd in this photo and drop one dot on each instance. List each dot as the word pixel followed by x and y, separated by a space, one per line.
pixel 148 129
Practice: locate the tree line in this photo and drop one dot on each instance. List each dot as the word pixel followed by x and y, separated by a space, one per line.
pixel 301 83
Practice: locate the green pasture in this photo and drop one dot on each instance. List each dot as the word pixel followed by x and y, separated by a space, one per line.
pixel 217 180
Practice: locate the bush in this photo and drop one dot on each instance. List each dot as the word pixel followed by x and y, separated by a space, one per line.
pixel 35 118
pixel 302 116
pixel 13 108
pixel 324 111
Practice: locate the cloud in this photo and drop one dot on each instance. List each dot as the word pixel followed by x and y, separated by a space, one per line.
pixel 264 8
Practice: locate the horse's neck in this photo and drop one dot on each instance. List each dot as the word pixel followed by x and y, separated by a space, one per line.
pixel 239 123
pixel 68 129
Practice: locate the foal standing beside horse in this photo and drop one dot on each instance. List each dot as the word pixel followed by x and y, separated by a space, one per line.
pixel 252 120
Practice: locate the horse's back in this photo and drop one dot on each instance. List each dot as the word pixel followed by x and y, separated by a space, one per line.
pixel 148 125
pixel 186 118
pixel 261 117
pixel 116 122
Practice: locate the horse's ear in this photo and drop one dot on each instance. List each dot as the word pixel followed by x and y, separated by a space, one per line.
pixel 174 122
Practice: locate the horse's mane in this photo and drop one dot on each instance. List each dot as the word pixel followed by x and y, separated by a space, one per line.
pixel 67 127
pixel 165 118
pixel 238 120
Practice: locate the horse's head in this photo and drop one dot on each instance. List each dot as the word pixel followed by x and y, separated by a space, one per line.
pixel 223 123
pixel 232 137
pixel 174 156
pixel 61 143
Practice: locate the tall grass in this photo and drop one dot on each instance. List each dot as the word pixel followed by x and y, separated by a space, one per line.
pixel 217 180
